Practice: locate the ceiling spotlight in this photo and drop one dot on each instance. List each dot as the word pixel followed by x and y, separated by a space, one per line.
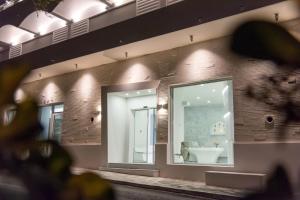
pixel 208 101
pixel 138 92
pixel 149 91
pixel 214 90
pixel 127 94
pixel 198 98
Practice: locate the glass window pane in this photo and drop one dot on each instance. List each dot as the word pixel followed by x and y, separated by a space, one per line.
pixel 57 126
pixel 202 123
pixel 45 117
pixel 131 126
pixel 59 108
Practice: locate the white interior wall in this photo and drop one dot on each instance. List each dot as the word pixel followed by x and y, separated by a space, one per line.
pixel 117 129
pixel 121 125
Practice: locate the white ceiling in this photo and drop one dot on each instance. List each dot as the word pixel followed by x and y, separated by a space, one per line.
pixel 14 35
pixel 134 93
pixel 202 94
pixel 83 62
pixel 42 22
pixel 287 10
pixel 77 10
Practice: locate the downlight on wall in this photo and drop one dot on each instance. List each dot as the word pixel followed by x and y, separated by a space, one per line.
pixel 162 106
pixel 19 96
pixel 98 113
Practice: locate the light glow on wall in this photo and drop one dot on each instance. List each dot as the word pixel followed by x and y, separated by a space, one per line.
pixel 85 84
pixel 49 93
pixel 99 116
pixel 198 62
pixel 162 106
pixel 19 96
pixel 135 73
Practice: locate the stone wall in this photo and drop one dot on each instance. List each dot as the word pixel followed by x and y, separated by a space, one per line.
pixel 80 91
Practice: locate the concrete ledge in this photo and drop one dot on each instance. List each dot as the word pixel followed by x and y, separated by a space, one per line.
pixel 235 180
pixel 139 172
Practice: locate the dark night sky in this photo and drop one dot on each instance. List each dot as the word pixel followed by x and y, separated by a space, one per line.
pixel 2 1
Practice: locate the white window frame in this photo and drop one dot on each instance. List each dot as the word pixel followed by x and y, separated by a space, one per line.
pixel 170 146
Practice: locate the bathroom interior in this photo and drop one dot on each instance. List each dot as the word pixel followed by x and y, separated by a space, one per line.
pixel 131 122
pixel 202 123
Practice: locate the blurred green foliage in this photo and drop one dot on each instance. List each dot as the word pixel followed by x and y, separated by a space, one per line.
pixel 266 40
pixel 43 166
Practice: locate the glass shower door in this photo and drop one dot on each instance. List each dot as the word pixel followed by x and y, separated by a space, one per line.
pixel 140 151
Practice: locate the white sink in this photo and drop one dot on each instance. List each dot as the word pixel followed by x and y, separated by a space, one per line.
pixel 206 155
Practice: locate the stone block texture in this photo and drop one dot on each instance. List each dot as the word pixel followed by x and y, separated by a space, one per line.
pixel 80 91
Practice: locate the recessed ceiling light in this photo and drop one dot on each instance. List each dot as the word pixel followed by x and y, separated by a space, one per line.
pixel 202 85
pixel 127 94
pixel 138 92
pixel 214 90
pixel 149 91
pixel 198 98
pixel 208 101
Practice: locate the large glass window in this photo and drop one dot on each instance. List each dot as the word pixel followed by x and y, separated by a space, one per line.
pixel 51 119
pixel 50 116
pixel 131 126
pixel 202 129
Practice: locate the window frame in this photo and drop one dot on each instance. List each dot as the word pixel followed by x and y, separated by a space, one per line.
pixel 170 151
pixel 52 111
pixel 105 90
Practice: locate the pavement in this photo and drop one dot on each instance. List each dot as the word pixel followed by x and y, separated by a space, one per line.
pixel 126 182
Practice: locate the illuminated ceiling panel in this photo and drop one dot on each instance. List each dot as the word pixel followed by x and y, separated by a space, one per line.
pixel 14 35
pixel 77 10
pixel 42 22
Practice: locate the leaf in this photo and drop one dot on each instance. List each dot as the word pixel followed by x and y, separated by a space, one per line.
pixel 10 78
pixel 59 161
pixel 266 40
pixel 90 186
pixel 49 156
pixel 25 125
pixel 278 187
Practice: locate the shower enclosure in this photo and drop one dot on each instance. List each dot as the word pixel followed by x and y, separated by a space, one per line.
pixel 144 135
pixel 131 126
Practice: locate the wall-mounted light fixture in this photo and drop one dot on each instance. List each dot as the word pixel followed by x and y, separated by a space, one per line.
pixel 162 106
